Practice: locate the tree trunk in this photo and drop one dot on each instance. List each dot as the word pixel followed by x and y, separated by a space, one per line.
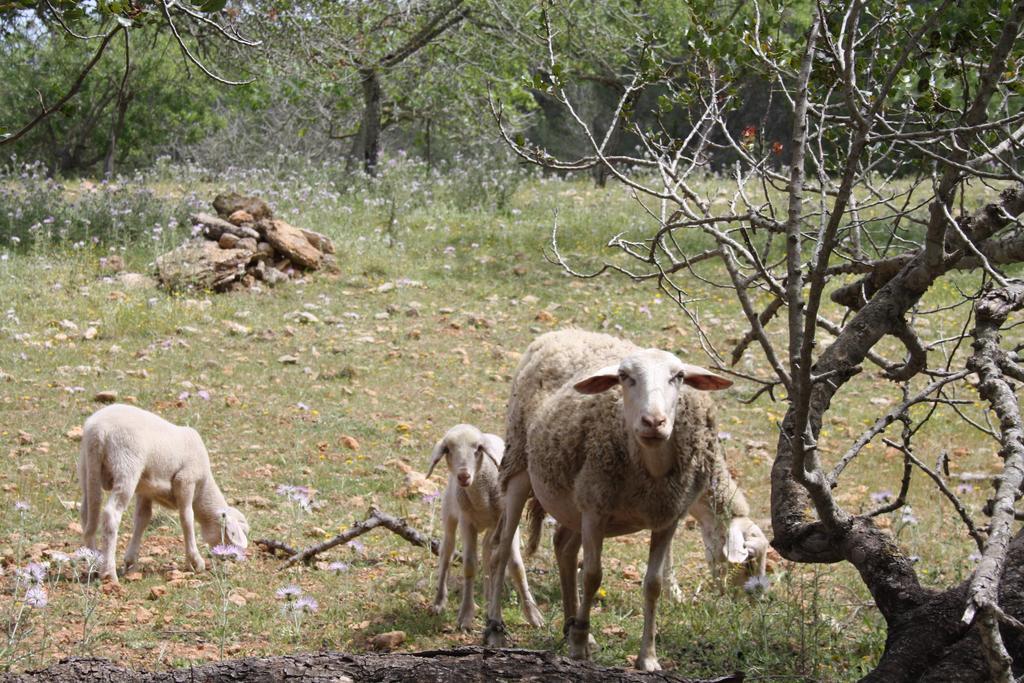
pixel 459 664
pixel 369 129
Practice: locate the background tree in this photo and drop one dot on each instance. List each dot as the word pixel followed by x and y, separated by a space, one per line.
pixel 76 59
pixel 906 130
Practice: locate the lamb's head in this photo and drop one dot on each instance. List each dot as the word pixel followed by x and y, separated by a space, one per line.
pixel 230 527
pixel 650 381
pixel 464 448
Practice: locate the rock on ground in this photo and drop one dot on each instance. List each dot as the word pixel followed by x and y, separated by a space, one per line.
pixel 200 264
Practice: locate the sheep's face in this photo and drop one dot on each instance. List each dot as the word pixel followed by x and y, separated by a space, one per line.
pixel 463 449
pixel 232 528
pixel 650 381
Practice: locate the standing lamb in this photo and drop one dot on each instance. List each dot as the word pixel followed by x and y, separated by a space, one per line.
pixel 472 503
pixel 127 450
pixel 609 463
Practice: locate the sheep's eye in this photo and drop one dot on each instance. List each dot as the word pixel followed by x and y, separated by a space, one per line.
pixel 445 451
pixel 624 378
pixel 680 376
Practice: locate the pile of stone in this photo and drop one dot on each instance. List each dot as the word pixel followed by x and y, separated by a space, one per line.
pixel 241 245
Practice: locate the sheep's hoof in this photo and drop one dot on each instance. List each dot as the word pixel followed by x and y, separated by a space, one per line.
pixel 464 624
pixel 436 608
pixel 648 663
pixel 675 593
pixel 197 564
pixel 495 635
pixel 581 644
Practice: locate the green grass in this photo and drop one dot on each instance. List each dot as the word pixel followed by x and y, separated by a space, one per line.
pixel 394 370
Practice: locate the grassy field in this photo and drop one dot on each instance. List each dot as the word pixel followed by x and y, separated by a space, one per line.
pixel 436 300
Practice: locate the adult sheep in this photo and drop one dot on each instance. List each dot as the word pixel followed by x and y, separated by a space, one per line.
pixel 129 451
pixel 606 463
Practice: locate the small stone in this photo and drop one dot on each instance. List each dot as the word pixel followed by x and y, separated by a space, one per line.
pixel 90 333
pixel 350 442
pixel 111 264
pixel 75 433
pixel 386 287
pixel 287 360
pixel 105 396
pixel 241 216
pixel 248 243
pixel 133 576
pixel 156 592
pixel 24 438
pixel 237 599
pixel 387 641
pixel 237 329
pixel 136 281
pixel 228 241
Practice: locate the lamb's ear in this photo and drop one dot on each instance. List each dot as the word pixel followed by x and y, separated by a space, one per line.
pixel 703 379
pixel 435 456
pixel 735 547
pixel 487 451
pixel 601 380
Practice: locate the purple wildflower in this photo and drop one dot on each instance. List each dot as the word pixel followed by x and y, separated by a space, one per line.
pixel 203 394
pixel 883 496
pixel 429 498
pixel 22 506
pixel 908 517
pixel 33 572
pixel 356 546
pixel 338 567
pixel 962 489
pixel 757 584
pixel 306 604
pixel 289 592
pixel 36 597
pixel 225 551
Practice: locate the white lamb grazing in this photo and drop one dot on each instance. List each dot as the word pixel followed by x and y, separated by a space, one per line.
pixel 129 451
pixel 472 503
pixel 606 463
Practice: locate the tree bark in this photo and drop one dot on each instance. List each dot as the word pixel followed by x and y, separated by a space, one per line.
pixel 369 130
pixel 458 664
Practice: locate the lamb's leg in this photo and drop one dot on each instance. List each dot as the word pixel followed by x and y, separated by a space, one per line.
pixel 592 534
pixel 469 558
pixel 184 492
pixel 92 498
pixel 143 513
pixel 516 494
pixel 530 611
pixel 112 511
pixel 713 531
pixel 668 575
pixel 451 522
pixel 661 545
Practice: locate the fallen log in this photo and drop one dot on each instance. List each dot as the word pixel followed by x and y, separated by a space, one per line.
pixel 457 664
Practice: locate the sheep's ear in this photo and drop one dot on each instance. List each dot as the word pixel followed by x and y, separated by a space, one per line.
pixel 435 456
pixel 703 379
pixel 735 547
pixel 487 451
pixel 596 382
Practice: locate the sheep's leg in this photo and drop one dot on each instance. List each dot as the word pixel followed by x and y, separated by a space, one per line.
pixel 143 513
pixel 567 552
pixel 668 575
pixel 592 536
pixel 516 494
pixel 661 546
pixel 183 494
pixel 469 557
pixel 118 500
pixel 451 522
pixel 530 611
